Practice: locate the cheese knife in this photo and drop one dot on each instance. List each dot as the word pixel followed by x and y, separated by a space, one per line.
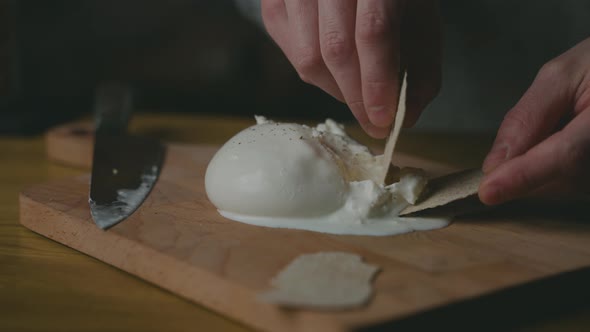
pixel 125 168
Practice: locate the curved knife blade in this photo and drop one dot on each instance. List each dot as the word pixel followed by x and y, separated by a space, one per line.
pixel 125 168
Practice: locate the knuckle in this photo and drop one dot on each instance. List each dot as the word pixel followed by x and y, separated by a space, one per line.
pixel 358 109
pixel 516 122
pixel 552 71
pixel 515 129
pixel 336 47
pixel 523 179
pixel 372 27
pixel 357 104
pixel 376 84
pixel 307 78
pixel 576 159
pixel 375 91
pixel 271 9
pixel 583 98
pixel 307 64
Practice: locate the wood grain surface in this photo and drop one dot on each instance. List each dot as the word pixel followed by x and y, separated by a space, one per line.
pixel 45 286
pixel 179 242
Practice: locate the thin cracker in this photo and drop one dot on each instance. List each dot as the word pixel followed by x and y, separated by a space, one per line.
pixel 396 129
pixel 323 280
pixel 447 189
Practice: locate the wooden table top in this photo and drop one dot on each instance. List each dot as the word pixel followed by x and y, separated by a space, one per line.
pixel 45 286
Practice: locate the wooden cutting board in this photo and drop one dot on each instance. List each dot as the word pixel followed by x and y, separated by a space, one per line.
pixel 177 241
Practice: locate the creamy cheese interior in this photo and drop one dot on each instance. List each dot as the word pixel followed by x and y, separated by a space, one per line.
pixel 318 179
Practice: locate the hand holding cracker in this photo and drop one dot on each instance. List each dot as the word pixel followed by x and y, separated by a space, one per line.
pixel 543 145
pixel 351 50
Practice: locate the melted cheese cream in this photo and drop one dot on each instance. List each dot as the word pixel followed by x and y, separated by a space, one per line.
pixel 317 179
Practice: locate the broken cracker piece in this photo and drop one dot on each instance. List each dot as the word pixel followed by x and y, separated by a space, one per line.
pixel 324 280
pixel 447 189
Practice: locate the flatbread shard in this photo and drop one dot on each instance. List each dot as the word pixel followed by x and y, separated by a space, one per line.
pixel 324 280
pixel 395 130
pixel 447 189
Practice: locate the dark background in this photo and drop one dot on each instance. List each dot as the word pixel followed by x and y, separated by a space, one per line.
pixel 206 57
pixel 180 56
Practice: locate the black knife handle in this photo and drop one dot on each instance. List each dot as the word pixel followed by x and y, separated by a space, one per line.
pixel 113 106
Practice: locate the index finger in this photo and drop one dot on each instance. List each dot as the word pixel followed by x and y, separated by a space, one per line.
pixel 565 154
pixel 336 26
pixel 377 40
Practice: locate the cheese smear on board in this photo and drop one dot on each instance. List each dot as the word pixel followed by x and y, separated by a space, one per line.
pixel 313 178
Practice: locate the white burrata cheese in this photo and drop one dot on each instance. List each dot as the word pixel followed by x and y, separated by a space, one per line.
pixel 275 170
pixel 319 179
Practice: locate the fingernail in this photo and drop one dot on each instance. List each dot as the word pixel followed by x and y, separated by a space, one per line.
pixel 495 158
pixel 490 193
pixel 376 132
pixel 380 116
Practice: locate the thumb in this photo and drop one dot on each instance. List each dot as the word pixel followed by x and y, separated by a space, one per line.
pixel 535 116
pixel 562 157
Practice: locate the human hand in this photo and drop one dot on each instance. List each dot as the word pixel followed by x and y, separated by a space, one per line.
pixel 543 144
pixel 350 49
